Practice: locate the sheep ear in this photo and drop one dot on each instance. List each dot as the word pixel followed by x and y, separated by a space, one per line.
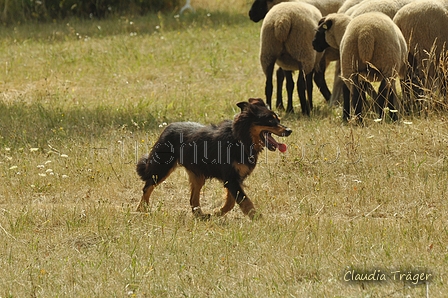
pixel 327 25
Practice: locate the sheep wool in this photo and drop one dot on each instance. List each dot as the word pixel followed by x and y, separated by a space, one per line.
pixel 388 7
pixel 260 8
pixel 286 39
pixel 424 25
pixel 372 47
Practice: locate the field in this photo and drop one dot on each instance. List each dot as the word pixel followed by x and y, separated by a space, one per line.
pixel 80 101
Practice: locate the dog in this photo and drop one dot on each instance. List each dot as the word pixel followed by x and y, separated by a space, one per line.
pixel 227 151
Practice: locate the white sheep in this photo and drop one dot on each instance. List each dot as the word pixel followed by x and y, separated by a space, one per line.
pixel 259 10
pixel 286 40
pixel 424 25
pixel 347 5
pixel 355 8
pixel 372 48
pixel 388 7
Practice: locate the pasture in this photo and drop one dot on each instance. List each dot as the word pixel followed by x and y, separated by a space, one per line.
pixel 80 101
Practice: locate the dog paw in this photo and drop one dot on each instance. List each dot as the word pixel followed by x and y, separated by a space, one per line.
pixel 203 216
pixel 197 212
pixel 219 213
pixel 142 208
pixel 254 215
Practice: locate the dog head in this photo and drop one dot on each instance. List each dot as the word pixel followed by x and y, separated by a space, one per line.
pixel 255 125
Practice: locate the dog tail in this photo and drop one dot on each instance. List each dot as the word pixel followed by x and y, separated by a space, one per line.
pixel 142 166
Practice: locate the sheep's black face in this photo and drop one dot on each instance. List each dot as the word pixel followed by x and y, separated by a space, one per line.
pixel 258 10
pixel 319 41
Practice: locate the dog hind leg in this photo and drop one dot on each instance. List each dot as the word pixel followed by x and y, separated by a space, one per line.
pixel 196 184
pixel 152 182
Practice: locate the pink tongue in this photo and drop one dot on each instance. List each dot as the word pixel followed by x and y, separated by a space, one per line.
pixel 282 147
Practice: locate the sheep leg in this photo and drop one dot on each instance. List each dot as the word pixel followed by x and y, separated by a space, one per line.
pixel 319 79
pixel 301 89
pixel 358 97
pixel 309 89
pixel 338 85
pixel 290 90
pixel 406 95
pixel 346 106
pixel 280 78
pixel 268 87
pixel 381 99
pixel 392 102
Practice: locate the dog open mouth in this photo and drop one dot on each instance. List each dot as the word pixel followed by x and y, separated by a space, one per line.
pixel 271 143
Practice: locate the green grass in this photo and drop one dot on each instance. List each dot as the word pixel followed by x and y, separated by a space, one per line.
pixel 76 113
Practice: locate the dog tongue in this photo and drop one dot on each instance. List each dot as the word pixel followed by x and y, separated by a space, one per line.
pixel 282 147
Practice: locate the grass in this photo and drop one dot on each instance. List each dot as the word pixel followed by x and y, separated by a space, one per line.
pixel 81 102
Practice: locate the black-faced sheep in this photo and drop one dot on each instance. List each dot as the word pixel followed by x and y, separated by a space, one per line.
pixel 372 48
pixel 260 8
pixel 286 35
pixel 258 11
pixel 355 8
pixel 424 25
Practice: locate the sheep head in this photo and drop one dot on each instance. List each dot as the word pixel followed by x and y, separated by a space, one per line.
pixel 330 30
pixel 260 8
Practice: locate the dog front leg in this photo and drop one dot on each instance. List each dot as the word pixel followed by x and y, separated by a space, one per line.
pixel 228 205
pixel 147 190
pixel 242 200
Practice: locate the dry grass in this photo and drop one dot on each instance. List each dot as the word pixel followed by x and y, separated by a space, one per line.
pixel 78 109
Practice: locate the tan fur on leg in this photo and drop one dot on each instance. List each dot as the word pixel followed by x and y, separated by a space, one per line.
pixel 143 206
pixel 248 208
pixel 228 205
pixel 196 184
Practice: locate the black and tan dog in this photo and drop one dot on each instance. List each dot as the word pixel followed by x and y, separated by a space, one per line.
pixel 227 151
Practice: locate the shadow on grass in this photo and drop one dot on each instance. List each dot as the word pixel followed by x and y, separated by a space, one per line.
pixel 36 124
pixel 69 29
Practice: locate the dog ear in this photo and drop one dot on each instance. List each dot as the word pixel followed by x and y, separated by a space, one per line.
pixel 243 105
pixel 257 101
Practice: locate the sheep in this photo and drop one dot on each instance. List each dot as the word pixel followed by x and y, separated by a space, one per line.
pixel 347 5
pixel 424 25
pixel 355 8
pixel 286 35
pixel 371 48
pixel 388 7
pixel 259 10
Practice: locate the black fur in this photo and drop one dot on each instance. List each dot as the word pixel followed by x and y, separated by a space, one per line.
pixel 319 41
pixel 258 10
pixel 227 151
